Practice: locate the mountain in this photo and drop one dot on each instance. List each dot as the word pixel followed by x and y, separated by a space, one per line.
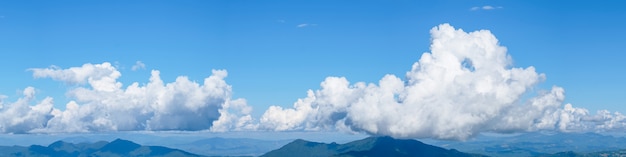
pixel 217 146
pixel 118 147
pixel 201 144
pixel 371 146
pixel 537 144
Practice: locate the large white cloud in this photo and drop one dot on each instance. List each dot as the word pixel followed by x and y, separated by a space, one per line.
pixel 465 85
pixel 21 117
pixel 104 105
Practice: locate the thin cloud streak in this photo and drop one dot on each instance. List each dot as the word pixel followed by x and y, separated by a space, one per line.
pixel 305 25
pixel 486 7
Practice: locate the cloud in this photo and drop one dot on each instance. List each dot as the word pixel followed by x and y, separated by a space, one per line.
pixel 104 105
pixel 138 66
pixel 100 76
pixel 465 85
pixel 21 117
pixel 486 7
pixel 305 25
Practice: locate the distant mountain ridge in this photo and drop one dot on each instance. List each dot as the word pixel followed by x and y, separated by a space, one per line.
pixel 218 146
pixel 118 147
pixel 526 144
pixel 538 144
pixel 371 146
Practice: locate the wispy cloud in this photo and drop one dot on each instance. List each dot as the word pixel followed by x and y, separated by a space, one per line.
pixel 305 25
pixel 138 66
pixel 486 7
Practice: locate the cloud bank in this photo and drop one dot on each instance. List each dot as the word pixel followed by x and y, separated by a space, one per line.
pixel 101 104
pixel 465 85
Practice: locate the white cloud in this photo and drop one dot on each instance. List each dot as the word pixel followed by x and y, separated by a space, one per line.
pixel 138 66
pixel 99 76
pixel 486 7
pixel 21 117
pixel 305 25
pixel 105 106
pixel 465 85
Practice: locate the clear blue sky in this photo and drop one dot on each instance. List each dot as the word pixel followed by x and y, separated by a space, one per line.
pixel 272 61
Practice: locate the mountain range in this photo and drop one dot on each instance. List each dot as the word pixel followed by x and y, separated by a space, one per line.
pixel 528 144
pixel 116 148
pixel 217 146
pixel 371 146
pixel 537 144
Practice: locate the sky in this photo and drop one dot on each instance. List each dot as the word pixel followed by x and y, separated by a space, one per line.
pixel 265 55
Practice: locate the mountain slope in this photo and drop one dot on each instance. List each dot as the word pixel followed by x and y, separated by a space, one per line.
pixel 117 147
pixel 371 146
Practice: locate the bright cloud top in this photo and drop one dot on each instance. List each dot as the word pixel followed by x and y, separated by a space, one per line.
pixel 105 106
pixel 464 86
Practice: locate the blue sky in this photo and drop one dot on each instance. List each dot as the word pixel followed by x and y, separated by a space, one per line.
pixel 274 51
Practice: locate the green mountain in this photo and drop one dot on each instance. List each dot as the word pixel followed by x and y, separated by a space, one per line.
pixel 116 148
pixel 371 146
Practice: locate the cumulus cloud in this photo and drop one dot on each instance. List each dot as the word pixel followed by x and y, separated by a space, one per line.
pixel 104 105
pixel 465 85
pixel 138 66
pixel 99 76
pixel 21 117
pixel 486 7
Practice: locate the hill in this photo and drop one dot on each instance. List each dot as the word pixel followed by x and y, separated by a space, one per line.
pixel 371 146
pixel 118 147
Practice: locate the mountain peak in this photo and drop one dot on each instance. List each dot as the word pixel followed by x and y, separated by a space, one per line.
pixel 371 146
pixel 120 146
pixel 63 146
pixel 58 144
